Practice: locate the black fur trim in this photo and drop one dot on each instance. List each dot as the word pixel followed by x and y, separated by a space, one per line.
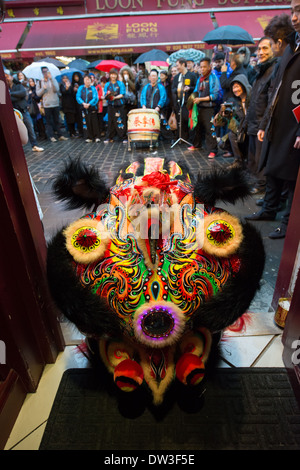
pixel 89 312
pixel 228 305
pixel 222 185
pixel 79 186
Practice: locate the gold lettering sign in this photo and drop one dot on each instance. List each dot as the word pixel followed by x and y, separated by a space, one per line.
pixel 103 32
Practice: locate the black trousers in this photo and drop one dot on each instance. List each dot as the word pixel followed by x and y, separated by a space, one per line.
pixel 254 151
pixel 183 123
pixel 116 124
pixel 274 188
pixel 204 128
pixel 91 119
pixel 52 122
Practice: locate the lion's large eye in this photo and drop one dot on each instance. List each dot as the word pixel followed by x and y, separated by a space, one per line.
pixel 86 240
pixel 221 234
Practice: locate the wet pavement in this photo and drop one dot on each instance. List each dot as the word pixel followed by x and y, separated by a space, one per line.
pixel 43 167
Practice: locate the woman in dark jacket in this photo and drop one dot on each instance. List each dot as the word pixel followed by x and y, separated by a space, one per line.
pixel 35 110
pixel 233 114
pixel 77 81
pixel 68 104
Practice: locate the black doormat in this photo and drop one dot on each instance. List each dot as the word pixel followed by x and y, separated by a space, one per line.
pixel 233 409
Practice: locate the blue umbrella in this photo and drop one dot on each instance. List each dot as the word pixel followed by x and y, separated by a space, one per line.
pixel 80 64
pixel 150 56
pixel 228 35
pixel 69 73
pixel 92 65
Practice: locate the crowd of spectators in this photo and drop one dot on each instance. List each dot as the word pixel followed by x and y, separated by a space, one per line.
pixel 220 104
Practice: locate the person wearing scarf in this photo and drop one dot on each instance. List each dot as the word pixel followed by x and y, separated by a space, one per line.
pixel 208 88
pixel 114 93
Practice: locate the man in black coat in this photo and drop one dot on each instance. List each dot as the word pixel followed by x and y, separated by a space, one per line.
pixel 257 107
pixel 182 87
pixel 280 155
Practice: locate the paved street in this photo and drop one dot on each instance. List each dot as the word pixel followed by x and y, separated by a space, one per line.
pixel 108 157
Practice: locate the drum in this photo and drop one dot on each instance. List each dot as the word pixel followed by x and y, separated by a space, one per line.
pixel 143 125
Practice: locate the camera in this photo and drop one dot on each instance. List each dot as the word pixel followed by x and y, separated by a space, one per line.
pixel 226 109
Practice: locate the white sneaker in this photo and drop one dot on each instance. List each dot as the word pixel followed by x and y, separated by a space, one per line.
pixel 97 140
pixel 37 149
pixel 62 137
pixel 53 139
pixel 88 140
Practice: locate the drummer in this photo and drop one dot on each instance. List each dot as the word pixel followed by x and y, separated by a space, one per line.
pixel 154 96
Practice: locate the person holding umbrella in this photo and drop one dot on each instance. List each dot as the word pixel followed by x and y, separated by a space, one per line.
pixel 114 92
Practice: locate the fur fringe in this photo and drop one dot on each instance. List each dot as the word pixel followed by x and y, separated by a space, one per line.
pixel 79 186
pixel 224 308
pixel 222 185
pixel 91 314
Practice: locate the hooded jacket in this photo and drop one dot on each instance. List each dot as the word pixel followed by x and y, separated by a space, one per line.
pixel 130 83
pixel 239 113
pixel 18 95
pixel 250 71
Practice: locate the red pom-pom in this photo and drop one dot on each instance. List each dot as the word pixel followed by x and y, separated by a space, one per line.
pixel 190 369
pixel 128 375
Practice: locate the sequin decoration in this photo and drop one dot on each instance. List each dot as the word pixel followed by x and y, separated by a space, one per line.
pixel 86 239
pixel 220 232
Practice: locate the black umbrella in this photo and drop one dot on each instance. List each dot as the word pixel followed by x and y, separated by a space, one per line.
pixel 154 54
pixel 228 35
pixel 80 64
pixel 50 60
pixel 92 65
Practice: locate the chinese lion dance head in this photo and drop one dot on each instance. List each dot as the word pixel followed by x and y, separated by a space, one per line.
pixel 155 269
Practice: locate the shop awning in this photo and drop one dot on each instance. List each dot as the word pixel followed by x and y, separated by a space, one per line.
pixel 10 37
pixel 253 21
pixel 92 36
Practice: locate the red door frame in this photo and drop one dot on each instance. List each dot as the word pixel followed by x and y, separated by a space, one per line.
pixel 29 327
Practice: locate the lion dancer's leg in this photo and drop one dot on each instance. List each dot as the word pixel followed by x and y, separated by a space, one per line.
pixel 195 348
pixel 118 357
